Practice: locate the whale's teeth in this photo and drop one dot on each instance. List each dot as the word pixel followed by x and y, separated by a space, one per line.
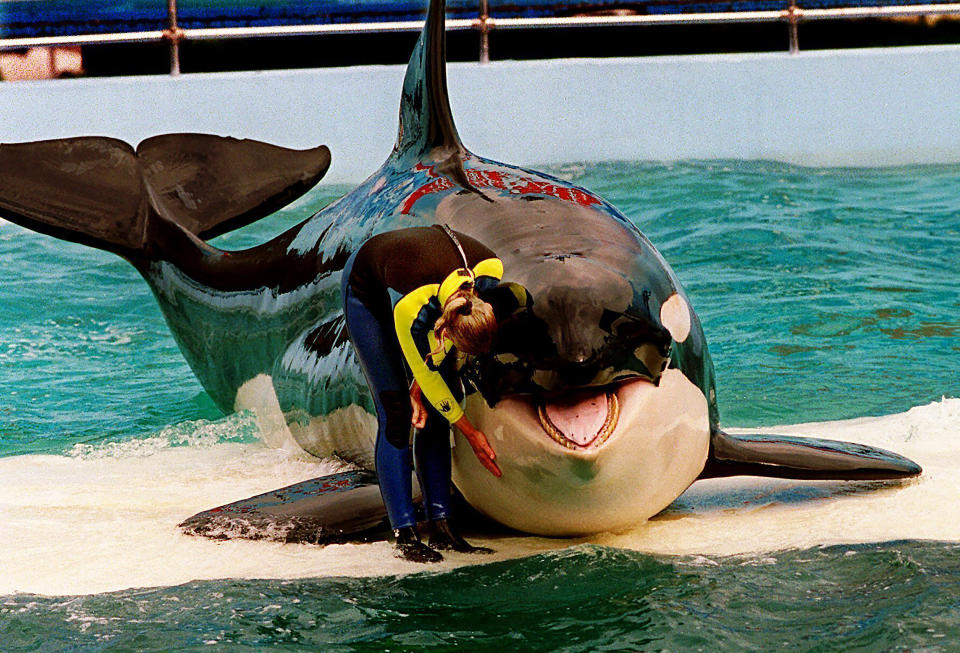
pixel 609 425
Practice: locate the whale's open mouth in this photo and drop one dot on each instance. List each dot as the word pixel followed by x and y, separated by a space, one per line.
pixel 582 419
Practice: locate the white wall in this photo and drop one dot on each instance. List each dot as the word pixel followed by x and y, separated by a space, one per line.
pixel 850 107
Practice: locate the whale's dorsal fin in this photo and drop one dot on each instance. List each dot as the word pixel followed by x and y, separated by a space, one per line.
pixel 426 122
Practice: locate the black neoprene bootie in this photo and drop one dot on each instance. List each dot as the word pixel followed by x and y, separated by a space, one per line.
pixel 447 539
pixel 409 546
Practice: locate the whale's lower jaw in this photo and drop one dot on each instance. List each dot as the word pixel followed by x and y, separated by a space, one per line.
pixel 657 450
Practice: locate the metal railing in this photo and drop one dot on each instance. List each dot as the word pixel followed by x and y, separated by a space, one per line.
pixel 484 24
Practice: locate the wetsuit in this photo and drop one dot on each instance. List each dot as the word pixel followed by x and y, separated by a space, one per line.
pixel 394 288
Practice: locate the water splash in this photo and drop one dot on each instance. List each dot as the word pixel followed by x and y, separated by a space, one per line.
pixel 238 427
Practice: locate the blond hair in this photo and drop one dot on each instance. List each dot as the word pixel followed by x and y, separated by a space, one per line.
pixel 468 321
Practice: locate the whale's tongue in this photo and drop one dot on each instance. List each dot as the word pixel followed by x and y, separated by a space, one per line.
pixel 580 417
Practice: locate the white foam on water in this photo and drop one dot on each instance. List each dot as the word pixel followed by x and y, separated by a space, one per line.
pixel 105 518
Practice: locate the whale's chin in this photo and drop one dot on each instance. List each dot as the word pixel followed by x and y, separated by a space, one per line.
pixel 589 461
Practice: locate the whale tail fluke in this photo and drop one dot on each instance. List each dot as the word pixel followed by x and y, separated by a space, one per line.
pixel 782 456
pixel 101 192
pixel 213 184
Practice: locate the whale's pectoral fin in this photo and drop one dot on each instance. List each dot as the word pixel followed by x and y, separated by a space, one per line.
pixel 100 192
pixel 336 508
pixel 783 456
pixel 210 185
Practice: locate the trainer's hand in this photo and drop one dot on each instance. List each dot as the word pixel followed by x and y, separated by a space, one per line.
pixel 481 448
pixel 419 415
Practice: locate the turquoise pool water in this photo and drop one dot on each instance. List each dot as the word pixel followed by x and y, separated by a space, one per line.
pixel 825 294
pixel 890 596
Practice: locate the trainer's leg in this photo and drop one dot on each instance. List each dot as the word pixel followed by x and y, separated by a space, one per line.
pixel 431 450
pixel 388 386
pixel 381 360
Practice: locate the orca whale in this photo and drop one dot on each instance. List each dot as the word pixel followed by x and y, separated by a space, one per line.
pixel 598 397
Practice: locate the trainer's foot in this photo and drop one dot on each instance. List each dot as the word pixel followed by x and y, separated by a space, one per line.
pixel 409 547
pixel 447 539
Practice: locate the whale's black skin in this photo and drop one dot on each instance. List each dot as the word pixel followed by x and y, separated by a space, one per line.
pixel 273 311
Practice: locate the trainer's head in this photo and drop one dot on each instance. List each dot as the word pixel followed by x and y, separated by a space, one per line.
pixel 468 321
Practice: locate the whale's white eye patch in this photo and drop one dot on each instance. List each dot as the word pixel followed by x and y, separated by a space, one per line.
pixel 675 317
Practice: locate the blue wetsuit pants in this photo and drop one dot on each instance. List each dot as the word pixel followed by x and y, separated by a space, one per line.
pixel 381 359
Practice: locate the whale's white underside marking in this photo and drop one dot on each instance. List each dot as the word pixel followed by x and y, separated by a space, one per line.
pixel 348 433
pixel 658 449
